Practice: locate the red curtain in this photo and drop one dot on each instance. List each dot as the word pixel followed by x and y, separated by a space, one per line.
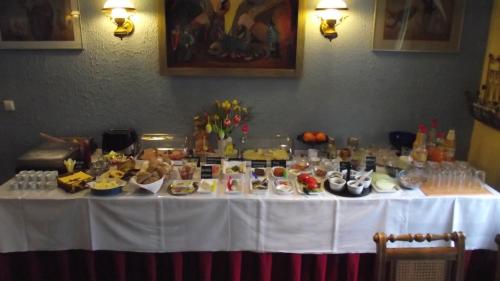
pixel 205 266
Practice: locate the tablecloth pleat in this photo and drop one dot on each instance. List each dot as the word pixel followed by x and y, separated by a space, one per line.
pixel 203 266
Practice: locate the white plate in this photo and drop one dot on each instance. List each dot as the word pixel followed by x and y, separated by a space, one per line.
pixel 208 186
pixel 237 187
pixel 283 189
pixel 183 187
pixel 383 185
pixel 300 188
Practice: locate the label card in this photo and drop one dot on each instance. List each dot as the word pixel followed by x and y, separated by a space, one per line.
pixel 214 160
pixel 259 164
pixel 236 159
pixel 275 163
pixel 194 159
pixel 206 172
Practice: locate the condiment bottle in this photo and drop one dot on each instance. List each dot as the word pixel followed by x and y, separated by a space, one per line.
pixel 419 153
pixel 332 149
pixel 437 152
pixel 449 146
pixel 431 137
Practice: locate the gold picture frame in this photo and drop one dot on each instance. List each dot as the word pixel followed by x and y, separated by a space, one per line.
pixel 418 26
pixel 46 24
pixel 225 53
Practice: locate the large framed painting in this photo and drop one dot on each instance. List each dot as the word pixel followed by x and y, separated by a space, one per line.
pixel 40 24
pixel 231 37
pixel 418 25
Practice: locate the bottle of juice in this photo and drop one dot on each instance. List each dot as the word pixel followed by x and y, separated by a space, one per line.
pixel 419 152
pixel 437 152
pixel 449 146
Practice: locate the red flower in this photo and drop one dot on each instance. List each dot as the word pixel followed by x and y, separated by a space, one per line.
pixel 244 129
pixel 236 119
pixel 227 122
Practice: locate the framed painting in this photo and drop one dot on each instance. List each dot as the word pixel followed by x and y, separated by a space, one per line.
pixel 418 25
pixel 40 24
pixel 231 37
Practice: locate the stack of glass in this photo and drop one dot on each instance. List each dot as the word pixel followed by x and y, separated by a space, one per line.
pixel 454 175
pixel 35 180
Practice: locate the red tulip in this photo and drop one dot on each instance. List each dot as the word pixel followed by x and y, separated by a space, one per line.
pixel 244 129
pixel 236 119
pixel 227 122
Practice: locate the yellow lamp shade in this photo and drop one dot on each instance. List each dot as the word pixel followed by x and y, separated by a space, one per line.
pixel 331 4
pixel 111 5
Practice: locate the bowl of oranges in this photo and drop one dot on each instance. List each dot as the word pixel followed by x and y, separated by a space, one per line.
pixel 311 137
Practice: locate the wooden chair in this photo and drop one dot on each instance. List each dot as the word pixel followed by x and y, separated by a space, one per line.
pixel 419 264
pixel 497 273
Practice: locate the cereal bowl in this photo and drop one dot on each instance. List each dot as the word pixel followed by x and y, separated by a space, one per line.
pixel 355 188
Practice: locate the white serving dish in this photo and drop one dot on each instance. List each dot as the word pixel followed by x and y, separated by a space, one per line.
pixel 153 187
pixel 283 187
pixel 383 183
pixel 300 188
pixel 236 188
pixel 228 172
pixel 208 186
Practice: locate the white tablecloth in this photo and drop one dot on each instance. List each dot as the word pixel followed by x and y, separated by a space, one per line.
pixel 33 220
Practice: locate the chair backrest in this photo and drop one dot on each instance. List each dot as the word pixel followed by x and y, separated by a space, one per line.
pixel 418 264
pixel 497 273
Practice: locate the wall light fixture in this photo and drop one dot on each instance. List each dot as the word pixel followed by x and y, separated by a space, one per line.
pixel 330 13
pixel 119 11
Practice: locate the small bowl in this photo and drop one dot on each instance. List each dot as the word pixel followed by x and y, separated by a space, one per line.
pixel 366 182
pixel 354 189
pixel 336 184
pixel 279 172
pixel 334 174
pixel 410 180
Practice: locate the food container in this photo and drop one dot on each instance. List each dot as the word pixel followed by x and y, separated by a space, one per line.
pixel 410 179
pixel 153 187
pixel 171 146
pixel 366 182
pixel 233 169
pixel 208 186
pixel 113 187
pixel 267 148
pixel 279 172
pixel 283 186
pixel 355 188
pixel 260 186
pixel 336 184
pixel 183 187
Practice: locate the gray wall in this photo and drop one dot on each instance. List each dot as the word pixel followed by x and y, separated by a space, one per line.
pixel 346 88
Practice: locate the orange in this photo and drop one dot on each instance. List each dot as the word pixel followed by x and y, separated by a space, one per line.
pixel 309 137
pixel 320 137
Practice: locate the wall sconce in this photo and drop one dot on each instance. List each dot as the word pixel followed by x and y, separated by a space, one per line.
pixel 330 16
pixel 120 11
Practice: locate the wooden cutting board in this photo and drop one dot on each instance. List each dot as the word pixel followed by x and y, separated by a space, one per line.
pixel 431 190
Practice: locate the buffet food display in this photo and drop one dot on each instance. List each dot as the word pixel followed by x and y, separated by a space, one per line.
pixel 265 165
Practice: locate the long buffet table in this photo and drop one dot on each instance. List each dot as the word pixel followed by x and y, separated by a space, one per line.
pixel 52 220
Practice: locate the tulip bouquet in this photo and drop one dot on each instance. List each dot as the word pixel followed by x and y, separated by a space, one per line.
pixel 226 117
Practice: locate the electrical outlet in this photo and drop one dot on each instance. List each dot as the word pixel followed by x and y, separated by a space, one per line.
pixel 9 105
